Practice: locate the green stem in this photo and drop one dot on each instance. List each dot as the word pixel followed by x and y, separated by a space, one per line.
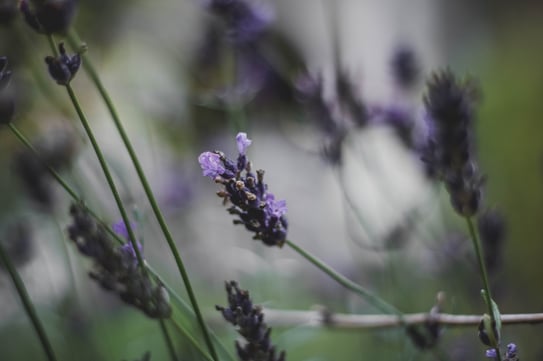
pixel 27 304
pixel 345 282
pixel 180 302
pixel 52 171
pixel 168 339
pixel 148 192
pixel 484 275
pixel 107 174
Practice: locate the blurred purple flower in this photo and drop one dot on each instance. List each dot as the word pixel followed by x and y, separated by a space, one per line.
pixel 120 228
pixel 491 353
pixel 128 250
pixel 511 351
pixel 211 164
pixel 243 142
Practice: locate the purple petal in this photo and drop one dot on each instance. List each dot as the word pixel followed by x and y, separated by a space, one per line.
pixel 491 353
pixel 211 164
pixel 120 228
pixel 275 208
pixel 243 142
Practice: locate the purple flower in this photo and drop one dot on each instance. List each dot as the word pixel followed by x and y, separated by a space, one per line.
pixel 129 251
pixel 120 228
pixel 257 209
pixel 243 142
pixel 511 350
pixel 211 164
pixel 275 208
pixel 491 353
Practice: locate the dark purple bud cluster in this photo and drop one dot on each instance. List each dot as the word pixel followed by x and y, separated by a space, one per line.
pixel 245 22
pixel 115 267
pixel 256 208
pixel 405 67
pixel 7 103
pixel 49 16
pixel 250 324
pixel 449 152
pixel 64 67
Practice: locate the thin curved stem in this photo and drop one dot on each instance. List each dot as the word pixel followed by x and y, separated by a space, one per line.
pixel 108 176
pixel 484 275
pixel 180 302
pixel 27 304
pixel 148 192
pixel 372 299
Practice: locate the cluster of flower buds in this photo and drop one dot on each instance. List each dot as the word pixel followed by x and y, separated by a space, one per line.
pixel 257 209
pixel 249 320
pixel 450 107
pixel 7 103
pixel 115 267
pixel 64 67
pixel 48 16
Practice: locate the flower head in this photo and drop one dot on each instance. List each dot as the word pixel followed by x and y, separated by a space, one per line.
pixel 64 67
pixel 450 104
pixel 249 321
pixel 211 164
pixel 243 142
pixel 256 208
pixel 49 16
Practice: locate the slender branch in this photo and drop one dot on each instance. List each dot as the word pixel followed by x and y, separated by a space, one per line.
pixel 109 177
pixel 87 64
pixel 484 275
pixel 27 304
pixel 482 267
pixel 371 298
pixel 325 318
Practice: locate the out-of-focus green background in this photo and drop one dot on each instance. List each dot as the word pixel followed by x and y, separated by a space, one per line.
pixel 171 99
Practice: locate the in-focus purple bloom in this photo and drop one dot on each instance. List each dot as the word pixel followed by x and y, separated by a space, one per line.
pixel 211 164
pixel 256 208
pixel 491 353
pixel 243 142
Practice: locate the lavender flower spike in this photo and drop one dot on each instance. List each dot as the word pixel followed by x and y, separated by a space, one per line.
pixel 211 164
pixel 255 207
pixel 243 142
